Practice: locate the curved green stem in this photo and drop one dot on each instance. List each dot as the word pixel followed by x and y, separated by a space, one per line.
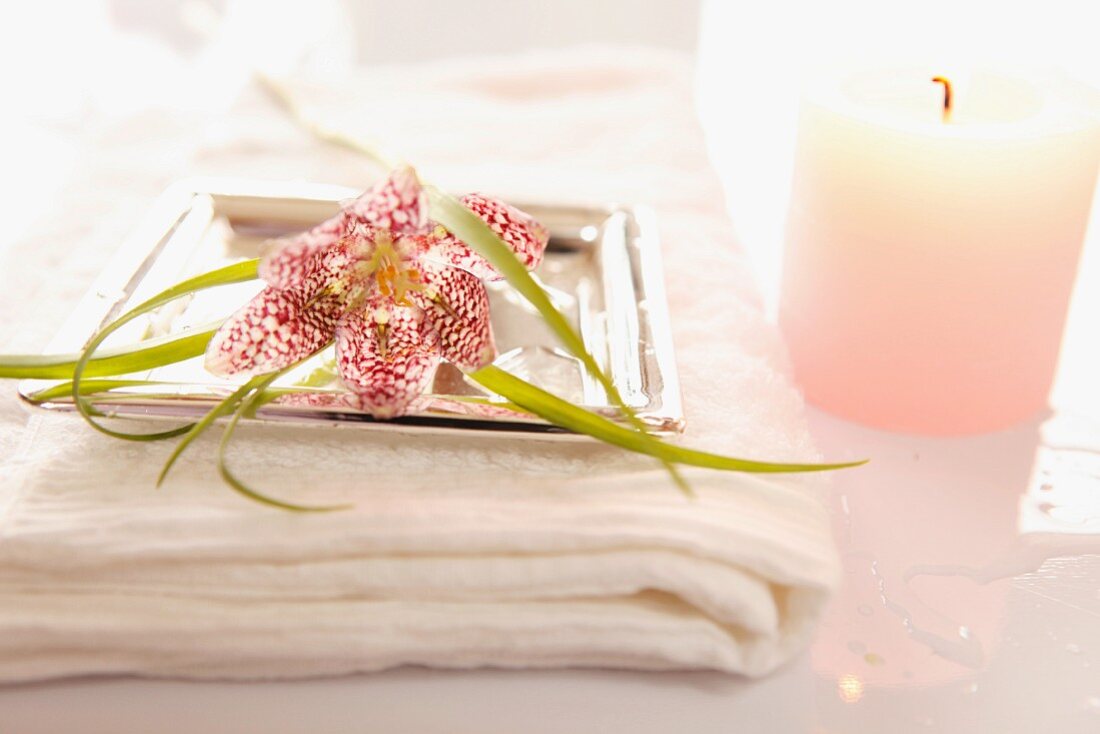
pixel 247 407
pixel 285 99
pixel 226 406
pixel 116 361
pixel 565 414
pixel 92 387
pixel 236 273
pixel 472 230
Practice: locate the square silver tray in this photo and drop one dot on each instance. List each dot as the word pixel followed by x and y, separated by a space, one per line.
pixel 602 268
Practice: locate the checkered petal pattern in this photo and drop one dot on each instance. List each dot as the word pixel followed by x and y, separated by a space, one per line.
pixel 519 230
pixel 286 262
pixel 457 306
pixel 387 355
pixel 272 331
pixel 396 292
pixel 397 203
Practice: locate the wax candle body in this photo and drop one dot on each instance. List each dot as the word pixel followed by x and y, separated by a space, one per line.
pixel 929 264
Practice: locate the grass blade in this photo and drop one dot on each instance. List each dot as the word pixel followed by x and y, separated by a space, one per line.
pixel 91 387
pixel 248 407
pixel 226 406
pixel 116 361
pixel 236 273
pixel 468 227
pixel 565 414
pixel 282 96
pixel 472 230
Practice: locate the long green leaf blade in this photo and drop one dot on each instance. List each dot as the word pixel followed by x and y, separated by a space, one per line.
pixel 94 387
pixel 248 407
pixel 282 96
pixel 116 361
pixel 235 273
pixel 472 230
pixel 225 407
pixel 567 415
pixel 468 227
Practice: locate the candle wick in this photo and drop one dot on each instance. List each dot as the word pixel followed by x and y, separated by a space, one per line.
pixel 946 96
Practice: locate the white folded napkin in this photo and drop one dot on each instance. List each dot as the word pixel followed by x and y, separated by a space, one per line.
pixel 460 551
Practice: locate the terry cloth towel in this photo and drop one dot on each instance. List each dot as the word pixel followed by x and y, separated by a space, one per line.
pixel 460 551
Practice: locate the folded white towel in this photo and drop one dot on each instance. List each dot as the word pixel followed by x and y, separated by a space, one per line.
pixel 460 551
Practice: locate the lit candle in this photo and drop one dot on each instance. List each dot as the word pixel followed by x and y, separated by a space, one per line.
pixel 932 242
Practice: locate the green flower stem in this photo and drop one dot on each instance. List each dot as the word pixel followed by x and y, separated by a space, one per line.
pixel 94 388
pixel 271 394
pixel 225 407
pixel 116 361
pixel 248 407
pixel 282 96
pixel 236 273
pixel 472 230
pixel 565 414
pixel 469 228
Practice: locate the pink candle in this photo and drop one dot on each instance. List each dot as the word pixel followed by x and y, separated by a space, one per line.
pixel 931 253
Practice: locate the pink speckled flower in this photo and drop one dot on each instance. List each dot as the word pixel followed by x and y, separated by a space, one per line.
pixel 396 292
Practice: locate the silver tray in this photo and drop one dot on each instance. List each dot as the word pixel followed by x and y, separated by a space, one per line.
pixel 602 269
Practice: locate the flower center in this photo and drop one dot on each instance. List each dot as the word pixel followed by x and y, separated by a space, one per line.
pixel 395 274
pixel 382 266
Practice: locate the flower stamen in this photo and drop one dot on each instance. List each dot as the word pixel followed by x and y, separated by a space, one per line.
pixel 383 330
pixel 387 265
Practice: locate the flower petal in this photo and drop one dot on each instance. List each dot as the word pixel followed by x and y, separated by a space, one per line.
pixel 272 331
pixel 387 355
pixel 328 271
pixel 285 263
pixel 397 203
pixel 457 305
pixel 519 230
